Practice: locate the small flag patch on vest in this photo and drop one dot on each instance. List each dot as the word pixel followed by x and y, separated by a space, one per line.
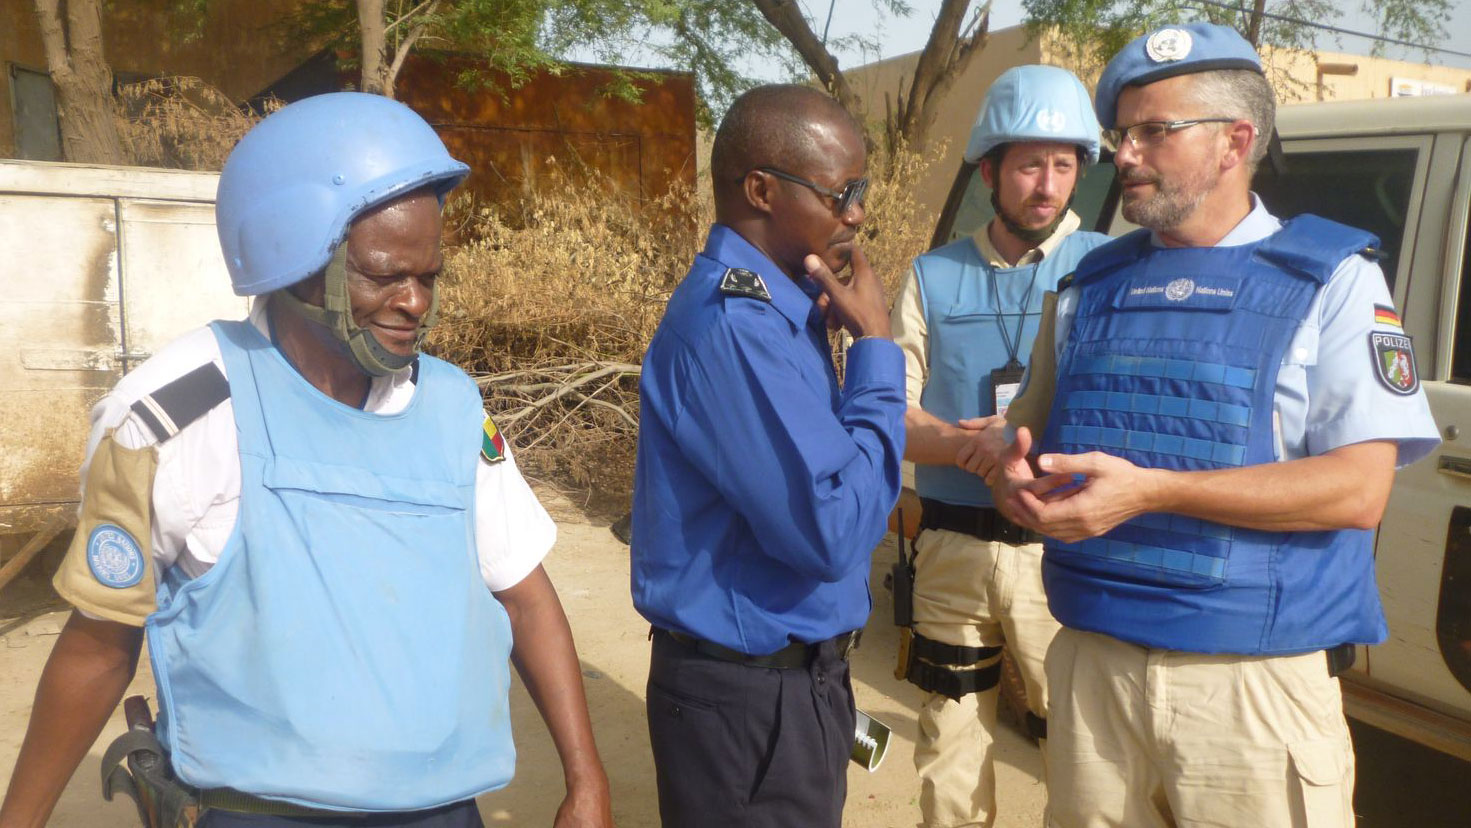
pixel 1394 362
pixel 492 443
pixel 1387 316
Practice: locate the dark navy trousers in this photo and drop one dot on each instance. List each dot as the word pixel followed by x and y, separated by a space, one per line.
pixel 749 747
pixel 460 815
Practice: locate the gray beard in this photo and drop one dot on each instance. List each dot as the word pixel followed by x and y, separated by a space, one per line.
pixel 1171 205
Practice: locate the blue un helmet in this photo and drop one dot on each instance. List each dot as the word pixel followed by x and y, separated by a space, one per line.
pixel 295 182
pixel 1035 103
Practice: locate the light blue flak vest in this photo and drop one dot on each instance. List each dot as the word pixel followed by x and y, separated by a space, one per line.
pixel 959 288
pixel 1172 363
pixel 344 652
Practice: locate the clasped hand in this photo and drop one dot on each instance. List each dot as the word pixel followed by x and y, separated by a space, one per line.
pixel 1069 497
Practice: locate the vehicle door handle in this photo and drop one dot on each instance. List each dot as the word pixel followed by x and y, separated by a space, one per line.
pixel 1455 466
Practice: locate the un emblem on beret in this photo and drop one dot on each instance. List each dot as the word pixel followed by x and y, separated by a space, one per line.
pixel 1179 290
pixel 114 557
pixel 1168 45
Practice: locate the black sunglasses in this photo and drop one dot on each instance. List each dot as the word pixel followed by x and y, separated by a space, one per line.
pixel 852 193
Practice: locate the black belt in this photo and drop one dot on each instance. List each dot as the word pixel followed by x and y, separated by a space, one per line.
pixel 980 522
pixel 794 656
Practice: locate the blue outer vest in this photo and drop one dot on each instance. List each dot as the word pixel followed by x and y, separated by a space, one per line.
pixel 1172 363
pixel 965 344
pixel 344 652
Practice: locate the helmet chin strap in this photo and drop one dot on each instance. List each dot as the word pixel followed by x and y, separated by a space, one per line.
pixel 336 316
pixel 1032 235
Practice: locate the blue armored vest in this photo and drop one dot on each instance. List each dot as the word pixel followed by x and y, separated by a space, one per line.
pixel 1172 362
pixel 344 652
pixel 960 291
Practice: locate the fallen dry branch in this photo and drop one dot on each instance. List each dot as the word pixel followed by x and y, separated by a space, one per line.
pixel 492 387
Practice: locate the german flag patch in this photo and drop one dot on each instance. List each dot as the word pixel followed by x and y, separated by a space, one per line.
pixel 1386 316
pixel 492 443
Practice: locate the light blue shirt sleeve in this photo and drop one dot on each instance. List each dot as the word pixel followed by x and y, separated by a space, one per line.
pixel 1329 394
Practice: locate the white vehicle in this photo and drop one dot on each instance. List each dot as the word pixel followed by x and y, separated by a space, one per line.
pixel 98 267
pixel 1400 168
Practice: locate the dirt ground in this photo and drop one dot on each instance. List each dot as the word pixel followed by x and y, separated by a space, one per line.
pixel 590 569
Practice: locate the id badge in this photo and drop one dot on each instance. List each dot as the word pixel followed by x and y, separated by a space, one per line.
pixel 1005 382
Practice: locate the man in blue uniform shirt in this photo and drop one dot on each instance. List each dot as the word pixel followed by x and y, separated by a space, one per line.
pixel 762 486
pixel 1233 394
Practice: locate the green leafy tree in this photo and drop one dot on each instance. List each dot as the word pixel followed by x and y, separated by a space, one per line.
pixel 1097 29
pixel 712 38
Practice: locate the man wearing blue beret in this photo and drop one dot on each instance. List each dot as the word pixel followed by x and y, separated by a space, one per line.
pixel 1232 396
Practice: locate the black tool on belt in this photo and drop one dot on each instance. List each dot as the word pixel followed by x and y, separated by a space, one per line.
pixel 794 656
pixel 137 765
pixel 1340 659
pixel 163 802
pixel 902 575
pixel 980 522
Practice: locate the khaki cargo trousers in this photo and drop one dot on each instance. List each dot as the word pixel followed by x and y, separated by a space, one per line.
pixel 1142 738
pixel 974 593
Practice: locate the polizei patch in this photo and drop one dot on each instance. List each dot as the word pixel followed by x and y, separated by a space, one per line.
pixel 114 556
pixel 1394 362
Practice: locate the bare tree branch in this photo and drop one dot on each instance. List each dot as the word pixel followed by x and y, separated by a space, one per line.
pixel 946 55
pixel 786 17
pixel 402 48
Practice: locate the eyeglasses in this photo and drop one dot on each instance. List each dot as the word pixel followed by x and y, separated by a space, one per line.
pixel 1147 134
pixel 852 193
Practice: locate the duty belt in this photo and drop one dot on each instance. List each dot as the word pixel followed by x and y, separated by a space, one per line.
pixel 794 656
pixel 980 522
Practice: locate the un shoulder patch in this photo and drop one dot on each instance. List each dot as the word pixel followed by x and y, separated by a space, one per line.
pixel 114 556
pixel 741 282
pixel 492 442
pixel 1394 362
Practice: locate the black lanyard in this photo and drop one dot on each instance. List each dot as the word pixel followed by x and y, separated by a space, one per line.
pixel 1013 346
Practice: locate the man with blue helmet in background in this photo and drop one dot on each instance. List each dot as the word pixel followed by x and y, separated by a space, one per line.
pixel 319 530
pixel 1232 394
pixel 965 318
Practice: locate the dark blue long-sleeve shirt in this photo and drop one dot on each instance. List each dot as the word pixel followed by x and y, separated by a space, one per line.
pixel 761 487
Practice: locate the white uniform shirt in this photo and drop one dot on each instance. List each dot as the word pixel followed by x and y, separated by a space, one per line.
pixel 1327 394
pixel 196 490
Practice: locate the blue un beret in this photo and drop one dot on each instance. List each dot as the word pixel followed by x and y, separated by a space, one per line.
pixel 1169 51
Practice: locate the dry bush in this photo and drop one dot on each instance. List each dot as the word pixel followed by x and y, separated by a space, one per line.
pixel 181 123
pixel 551 304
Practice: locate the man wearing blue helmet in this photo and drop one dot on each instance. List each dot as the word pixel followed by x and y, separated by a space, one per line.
pixel 1232 396
pixel 965 316
pixel 319 530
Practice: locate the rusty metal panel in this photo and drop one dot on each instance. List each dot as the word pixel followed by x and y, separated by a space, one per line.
pixel 59 334
pixel 514 138
pixel 170 250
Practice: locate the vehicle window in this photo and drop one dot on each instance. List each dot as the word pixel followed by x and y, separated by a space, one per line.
pixel 1461 349
pixel 1369 189
pixel 973 209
